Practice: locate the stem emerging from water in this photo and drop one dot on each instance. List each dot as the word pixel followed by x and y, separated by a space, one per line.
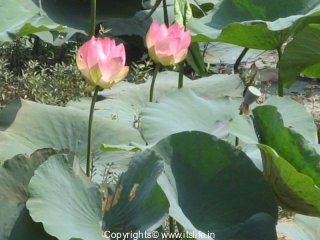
pixel 181 68
pixel 89 166
pixel 280 83
pixel 238 61
pixel 155 73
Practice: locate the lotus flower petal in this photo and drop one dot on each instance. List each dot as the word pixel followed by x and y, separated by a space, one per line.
pixel 102 62
pixel 167 45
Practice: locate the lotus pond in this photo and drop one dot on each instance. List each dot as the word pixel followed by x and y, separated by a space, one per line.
pixel 159 119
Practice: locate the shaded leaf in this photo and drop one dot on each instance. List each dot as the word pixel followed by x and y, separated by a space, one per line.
pixel 23 17
pixel 141 203
pixel 206 181
pixel 294 191
pixel 195 59
pixel 301 54
pixel 15 174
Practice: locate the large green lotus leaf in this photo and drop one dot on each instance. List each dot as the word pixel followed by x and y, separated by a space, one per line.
pixel 15 174
pixel 295 191
pixel 294 115
pixel 184 111
pixel 76 14
pixel 141 203
pixel 300 54
pixel 19 18
pixel 312 71
pixel 288 144
pixel 23 17
pixel 254 23
pixel 67 204
pixel 244 10
pixel 242 127
pixel 26 126
pixel 300 227
pixel 213 187
pixel 125 101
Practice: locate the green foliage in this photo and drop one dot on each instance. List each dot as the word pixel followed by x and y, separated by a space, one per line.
pixel 146 193
pixel 63 128
pixel 267 25
pixel 15 174
pixel 20 18
pixel 291 163
pixel 200 10
pixel 40 72
pixel 294 190
pixel 141 72
pixel 168 167
pixel 61 17
pixel 216 172
pixel 297 150
pixel 301 55
pixel 71 207
pixel 195 60
pixel 124 122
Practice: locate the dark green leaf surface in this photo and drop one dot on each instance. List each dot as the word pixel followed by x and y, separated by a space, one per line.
pixel 287 143
pixel 302 53
pixel 142 203
pixel 295 191
pixel 195 59
pixel 24 17
pixel 213 187
pixel 244 10
pixel 15 174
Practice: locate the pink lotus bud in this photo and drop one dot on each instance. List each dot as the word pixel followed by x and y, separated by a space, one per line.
pixel 168 45
pixel 102 62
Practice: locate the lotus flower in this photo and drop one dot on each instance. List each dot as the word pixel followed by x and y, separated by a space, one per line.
pixel 102 62
pixel 168 45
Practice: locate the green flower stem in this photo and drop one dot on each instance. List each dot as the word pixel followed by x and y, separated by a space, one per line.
pixel 237 139
pixel 89 166
pixel 180 227
pixel 93 16
pixel 155 73
pixel 181 70
pixel 165 12
pixel 171 225
pixel 280 83
pixel 238 61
